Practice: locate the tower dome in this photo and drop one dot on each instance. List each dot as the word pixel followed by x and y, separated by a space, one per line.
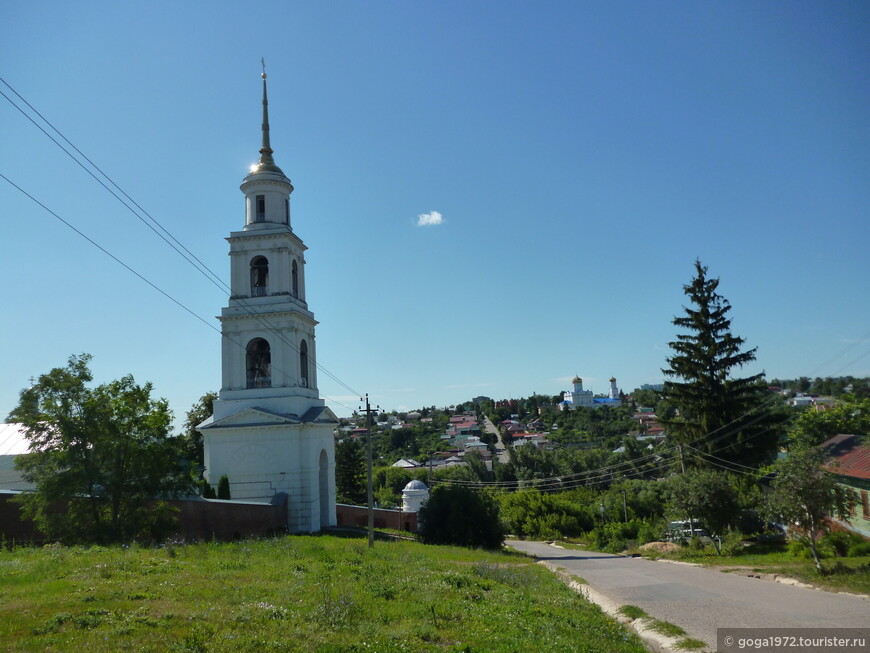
pixel 267 189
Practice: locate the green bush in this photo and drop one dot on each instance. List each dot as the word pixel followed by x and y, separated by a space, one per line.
pixel 800 548
pixel 207 490
pixel 695 544
pixel 731 543
pixel 859 549
pixel 613 536
pixel 840 542
pixel 536 515
pixel 386 498
pixel 552 526
pixel 650 531
pixel 460 515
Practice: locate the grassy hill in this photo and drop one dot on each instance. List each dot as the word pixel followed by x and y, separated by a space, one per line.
pixel 292 594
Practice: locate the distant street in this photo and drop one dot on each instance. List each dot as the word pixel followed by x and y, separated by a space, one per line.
pixel 701 600
pixel 489 427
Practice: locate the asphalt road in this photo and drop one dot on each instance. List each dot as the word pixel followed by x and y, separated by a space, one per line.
pixel 701 600
pixel 489 427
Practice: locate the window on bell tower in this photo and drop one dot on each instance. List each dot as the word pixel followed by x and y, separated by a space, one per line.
pixel 286 210
pixel 258 363
pixel 260 215
pixel 259 276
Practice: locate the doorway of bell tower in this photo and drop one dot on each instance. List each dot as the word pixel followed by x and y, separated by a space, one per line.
pixel 324 490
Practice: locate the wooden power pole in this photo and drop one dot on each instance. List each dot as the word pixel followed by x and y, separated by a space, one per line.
pixel 368 411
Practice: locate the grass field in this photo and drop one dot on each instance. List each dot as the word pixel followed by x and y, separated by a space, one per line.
pixel 841 574
pixel 293 594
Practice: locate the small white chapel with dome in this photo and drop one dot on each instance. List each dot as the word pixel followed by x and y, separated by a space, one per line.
pixel 270 432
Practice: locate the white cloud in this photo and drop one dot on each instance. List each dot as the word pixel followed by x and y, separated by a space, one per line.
pixel 430 219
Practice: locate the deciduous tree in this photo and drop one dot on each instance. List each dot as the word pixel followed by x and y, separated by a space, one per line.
pixel 812 427
pixel 191 438
pixel 99 457
pixel 803 494
pixel 460 515
pixel 703 494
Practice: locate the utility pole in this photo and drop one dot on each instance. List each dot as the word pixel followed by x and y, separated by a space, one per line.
pixel 683 468
pixel 368 411
pixel 624 508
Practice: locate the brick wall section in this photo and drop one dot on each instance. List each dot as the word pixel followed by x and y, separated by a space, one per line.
pixel 359 516
pixel 200 519
pixel 206 519
pixel 13 528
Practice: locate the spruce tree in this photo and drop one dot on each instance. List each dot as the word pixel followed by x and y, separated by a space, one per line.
pixel 223 491
pixel 729 417
pixel 350 472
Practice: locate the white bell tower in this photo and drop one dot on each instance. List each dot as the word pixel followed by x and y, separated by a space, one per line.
pixel 270 431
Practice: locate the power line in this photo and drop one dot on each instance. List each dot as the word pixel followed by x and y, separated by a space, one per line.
pixel 607 472
pixel 186 254
pixel 861 340
pixel 202 268
pixel 109 254
pixel 132 271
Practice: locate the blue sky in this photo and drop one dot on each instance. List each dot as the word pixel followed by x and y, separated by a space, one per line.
pixel 581 156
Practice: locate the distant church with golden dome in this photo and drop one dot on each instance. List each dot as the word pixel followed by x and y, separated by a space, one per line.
pixel 577 397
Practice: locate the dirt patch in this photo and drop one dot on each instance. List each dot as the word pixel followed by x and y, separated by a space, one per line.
pixel 661 547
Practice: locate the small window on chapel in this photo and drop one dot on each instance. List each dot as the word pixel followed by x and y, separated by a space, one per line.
pixel 260 208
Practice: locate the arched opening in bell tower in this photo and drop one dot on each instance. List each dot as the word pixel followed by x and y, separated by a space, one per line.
pixel 294 278
pixel 259 276
pixel 259 364
pixel 303 364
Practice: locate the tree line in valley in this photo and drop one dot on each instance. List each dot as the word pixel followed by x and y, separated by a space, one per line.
pixel 103 457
